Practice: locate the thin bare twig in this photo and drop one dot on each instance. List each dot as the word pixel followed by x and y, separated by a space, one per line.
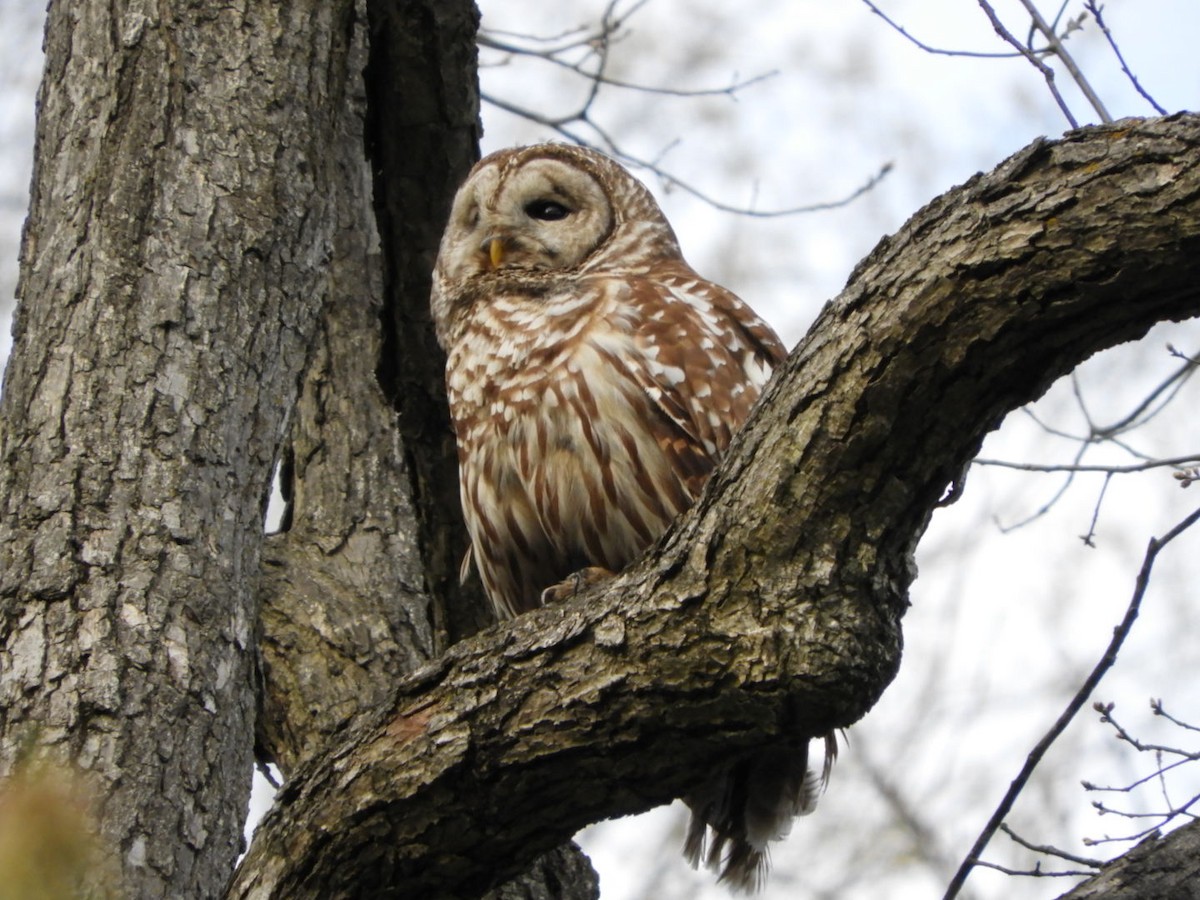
pixel 553 57
pixel 822 206
pixel 1176 462
pixel 1068 61
pixel 929 48
pixel 1142 413
pixel 1150 406
pixel 1036 872
pixel 1096 10
pixel 1047 850
pixel 973 858
pixel 1047 72
pixel 1157 707
pixel 1091 532
pixel 1058 15
pixel 571 33
pixel 1134 785
pixel 1106 716
pixel 1180 757
pixel 1162 818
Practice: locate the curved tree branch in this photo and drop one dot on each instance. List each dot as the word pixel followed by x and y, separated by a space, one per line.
pixel 771 613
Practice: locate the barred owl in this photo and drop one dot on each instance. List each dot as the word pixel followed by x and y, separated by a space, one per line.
pixel 594 382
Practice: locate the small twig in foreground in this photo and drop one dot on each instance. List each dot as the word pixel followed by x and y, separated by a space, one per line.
pixel 1037 871
pixel 1089 538
pixel 939 51
pixel 1157 707
pixel 1179 757
pixel 1161 819
pixel 1047 850
pixel 1103 469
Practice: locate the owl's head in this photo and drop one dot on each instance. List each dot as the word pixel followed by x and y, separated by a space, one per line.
pixel 546 210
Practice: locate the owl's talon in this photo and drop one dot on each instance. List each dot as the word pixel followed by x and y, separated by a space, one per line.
pixel 575 583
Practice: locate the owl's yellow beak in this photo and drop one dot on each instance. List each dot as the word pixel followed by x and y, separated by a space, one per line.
pixel 495 250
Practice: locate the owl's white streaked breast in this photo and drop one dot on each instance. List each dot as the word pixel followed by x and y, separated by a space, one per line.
pixel 562 455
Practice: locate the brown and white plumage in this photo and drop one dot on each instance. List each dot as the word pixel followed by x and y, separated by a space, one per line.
pixel 594 382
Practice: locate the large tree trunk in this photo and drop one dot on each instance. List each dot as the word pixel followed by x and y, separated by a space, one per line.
pixel 772 611
pixel 186 196
pixel 356 581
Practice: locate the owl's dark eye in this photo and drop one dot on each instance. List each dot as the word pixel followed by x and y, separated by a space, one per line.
pixel 546 210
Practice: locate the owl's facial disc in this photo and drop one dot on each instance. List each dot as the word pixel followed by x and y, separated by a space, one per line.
pixel 542 215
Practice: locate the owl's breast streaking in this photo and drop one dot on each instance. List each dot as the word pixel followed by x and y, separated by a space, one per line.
pixel 553 439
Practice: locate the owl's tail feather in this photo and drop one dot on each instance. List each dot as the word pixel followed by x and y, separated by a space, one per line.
pixel 750 805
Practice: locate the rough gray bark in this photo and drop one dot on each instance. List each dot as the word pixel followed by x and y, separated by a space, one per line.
pixel 346 609
pixel 772 611
pixel 1165 868
pixel 423 133
pixel 173 269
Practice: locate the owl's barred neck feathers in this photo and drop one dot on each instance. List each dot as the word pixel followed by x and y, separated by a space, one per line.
pixel 595 380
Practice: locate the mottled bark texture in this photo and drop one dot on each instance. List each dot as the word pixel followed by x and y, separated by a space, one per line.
pixel 423 131
pixel 1163 868
pixel 174 266
pixel 772 611
pixel 347 607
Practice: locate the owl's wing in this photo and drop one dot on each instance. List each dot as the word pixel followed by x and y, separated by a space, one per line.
pixel 704 359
